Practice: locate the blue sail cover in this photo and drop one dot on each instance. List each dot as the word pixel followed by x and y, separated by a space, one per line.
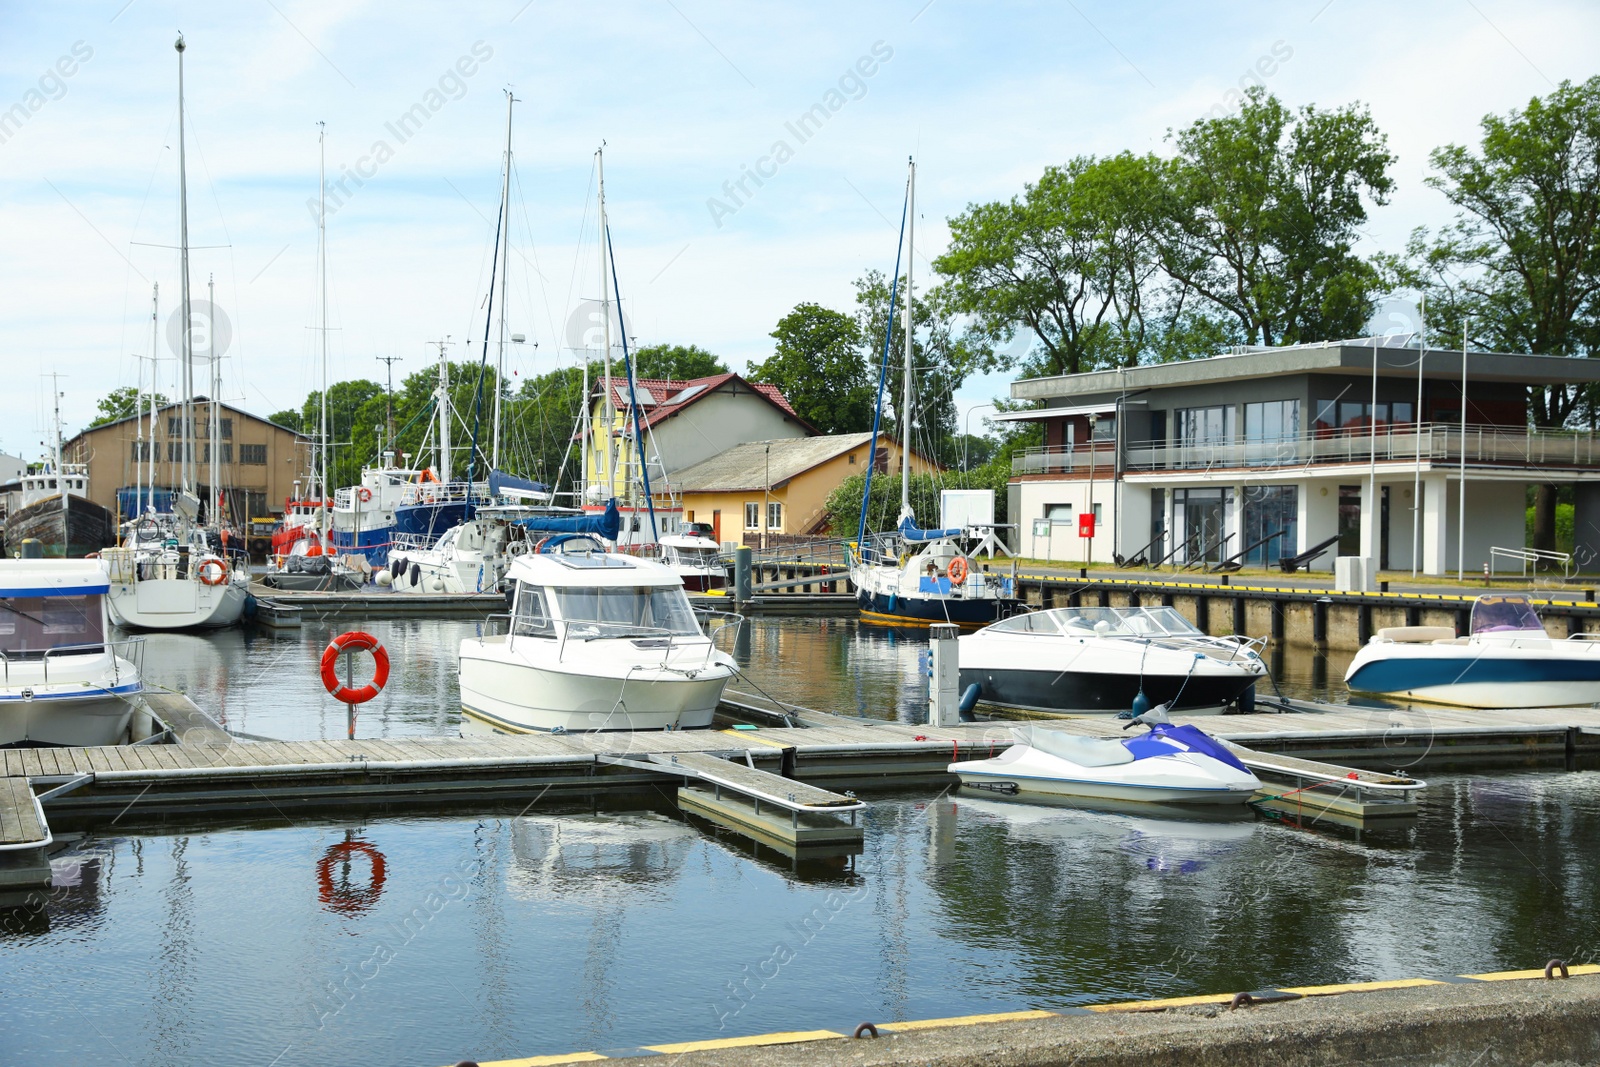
pixel 912 532
pixel 607 525
pixel 503 484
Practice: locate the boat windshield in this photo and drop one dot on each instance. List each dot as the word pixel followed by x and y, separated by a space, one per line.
pixel 1104 622
pixel 1504 614
pixel 34 625
pixel 623 612
pixel 691 557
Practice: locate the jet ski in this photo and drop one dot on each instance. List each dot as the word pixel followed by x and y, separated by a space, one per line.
pixel 1166 765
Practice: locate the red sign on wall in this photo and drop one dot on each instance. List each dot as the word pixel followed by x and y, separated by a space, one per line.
pixel 1086 525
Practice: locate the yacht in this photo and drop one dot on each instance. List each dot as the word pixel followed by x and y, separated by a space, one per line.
pixel 1108 660
pixel 1507 660
pixel 64 681
pixel 174 579
pixel 56 511
pixel 594 641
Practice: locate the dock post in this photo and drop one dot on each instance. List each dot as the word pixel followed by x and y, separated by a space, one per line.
pixel 945 678
pixel 741 575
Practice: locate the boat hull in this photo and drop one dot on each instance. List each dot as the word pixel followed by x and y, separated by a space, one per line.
pixel 69 526
pixel 431 520
pixel 58 715
pixel 1480 676
pixel 314 583
pixel 896 610
pixel 175 604
pixel 1100 693
pixel 1089 790
pixel 373 544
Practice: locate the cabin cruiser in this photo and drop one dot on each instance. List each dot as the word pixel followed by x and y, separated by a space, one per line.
pixel 1107 661
pixel 64 682
pixel 362 516
pixel 56 511
pixel 174 576
pixel 1507 660
pixel 1166 765
pixel 595 640
pixel 695 557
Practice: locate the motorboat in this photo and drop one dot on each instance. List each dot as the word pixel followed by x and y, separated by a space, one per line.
pixel 64 681
pixel 55 509
pixel 309 569
pixel 1507 660
pixel 474 556
pixel 595 640
pixel 1107 661
pixel 695 557
pixel 1169 764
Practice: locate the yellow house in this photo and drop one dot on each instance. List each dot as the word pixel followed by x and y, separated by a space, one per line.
pixel 761 492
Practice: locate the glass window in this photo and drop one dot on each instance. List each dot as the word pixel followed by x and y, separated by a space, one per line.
pixel 774 516
pixel 34 624
pixel 620 612
pixel 256 455
pixel 531 617
pixel 752 515
pixel 227 428
pixel 1271 510
pixel 1271 430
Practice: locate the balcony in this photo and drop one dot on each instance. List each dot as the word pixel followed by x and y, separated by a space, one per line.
pixel 1436 443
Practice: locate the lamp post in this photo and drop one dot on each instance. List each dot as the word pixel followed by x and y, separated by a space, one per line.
pixel 966 435
pixel 1093 419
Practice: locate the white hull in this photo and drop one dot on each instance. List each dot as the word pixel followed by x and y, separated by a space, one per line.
pixel 1481 673
pixel 1144 794
pixel 1185 776
pixel 58 715
pixel 175 604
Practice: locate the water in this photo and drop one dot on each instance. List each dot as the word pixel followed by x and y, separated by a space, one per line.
pixel 506 933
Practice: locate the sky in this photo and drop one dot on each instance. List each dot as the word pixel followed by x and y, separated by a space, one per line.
pixel 689 97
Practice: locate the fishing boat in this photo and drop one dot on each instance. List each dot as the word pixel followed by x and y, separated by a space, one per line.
pixel 917 576
pixel 1169 765
pixel 1506 660
pixel 1108 660
pixel 594 641
pixel 63 680
pixel 56 510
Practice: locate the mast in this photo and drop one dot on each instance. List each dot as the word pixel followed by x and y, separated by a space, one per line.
pixel 444 415
pixel 322 287
pixel 214 505
pixel 605 319
pixel 505 262
pixel 905 415
pixel 187 444
pixel 155 342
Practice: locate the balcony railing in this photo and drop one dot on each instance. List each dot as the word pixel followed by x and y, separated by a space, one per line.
pixel 1434 442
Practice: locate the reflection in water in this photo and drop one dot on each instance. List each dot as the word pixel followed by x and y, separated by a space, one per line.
pixel 339 885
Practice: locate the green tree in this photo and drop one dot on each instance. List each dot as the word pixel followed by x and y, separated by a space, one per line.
pixel 680 362
pixel 1073 263
pixel 544 424
pixel 289 419
pixel 121 403
pixel 1262 211
pixel 354 427
pixel 1522 258
pixel 819 365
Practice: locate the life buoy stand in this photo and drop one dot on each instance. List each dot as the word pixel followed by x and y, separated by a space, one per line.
pixel 362 642
pixel 364 493
pixel 213 572
pixel 342 897
pixel 957 571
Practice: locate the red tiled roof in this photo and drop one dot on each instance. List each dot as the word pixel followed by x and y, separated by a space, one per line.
pixel 667 391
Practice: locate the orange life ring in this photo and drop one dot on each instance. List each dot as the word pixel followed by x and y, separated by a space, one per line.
pixel 361 642
pixel 364 493
pixel 957 571
pixel 427 475
pixel 221 572
pixel 344 898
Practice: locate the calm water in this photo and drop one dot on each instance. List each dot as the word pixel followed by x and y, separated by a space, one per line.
pixel 512 933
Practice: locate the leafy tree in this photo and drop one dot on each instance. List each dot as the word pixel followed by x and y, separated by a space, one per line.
pixel 1074 262
pixel 1522 259
pixel 543 425
pixel 1262 210
pixel 289 419
pixel 354 427
pixel 819 365
pixel 679 362
pixel 121 403
pixel 843 506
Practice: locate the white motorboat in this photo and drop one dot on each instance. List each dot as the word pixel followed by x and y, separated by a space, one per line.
pixel 1167 765
pixel 1101 660
pixel 695 557
pixel 475 556
pixel 594 641
pixel 1507 660
pixel 64 681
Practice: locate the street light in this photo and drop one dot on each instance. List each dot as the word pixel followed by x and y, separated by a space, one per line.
pixel 1093 419
pixel 968 434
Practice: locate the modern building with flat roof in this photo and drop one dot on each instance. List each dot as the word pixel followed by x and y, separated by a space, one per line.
pixel 1269 453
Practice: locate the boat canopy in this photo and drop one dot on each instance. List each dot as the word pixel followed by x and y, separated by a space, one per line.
pixel 1101 622
pixel 606 525
pixel 910 531
pixel 52 577
pixel 503 484
pixel 591 569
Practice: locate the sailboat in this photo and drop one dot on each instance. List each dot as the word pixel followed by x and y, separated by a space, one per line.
pixel 178 578
pixel 915 576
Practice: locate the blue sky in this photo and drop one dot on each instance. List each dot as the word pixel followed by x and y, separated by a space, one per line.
pixel 686 94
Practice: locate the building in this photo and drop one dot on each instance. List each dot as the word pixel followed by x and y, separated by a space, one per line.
pixel 762 492
pixel 260 461
pixel 1270 453
pixel 684 423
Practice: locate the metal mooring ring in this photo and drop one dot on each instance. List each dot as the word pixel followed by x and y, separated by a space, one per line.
pixel 865 1028
pixel 1550 968
pixel 1241 1000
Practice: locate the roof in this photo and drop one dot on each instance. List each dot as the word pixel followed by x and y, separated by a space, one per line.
pixel 764 464
pixel 176 405
pixel 1332 357
pixel 669 396
pixel 584 571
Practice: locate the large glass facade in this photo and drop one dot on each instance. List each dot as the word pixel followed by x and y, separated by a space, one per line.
pixel 1272 432
pixel 1271 523
pixel 1202 432
pixel 1199 519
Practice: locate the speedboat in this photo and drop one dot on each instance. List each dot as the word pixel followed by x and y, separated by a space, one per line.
pixel 1507 660
pixel 695 557
pixel 595 640
pixel 63 682
pixel 1167 765
pixel 1108 660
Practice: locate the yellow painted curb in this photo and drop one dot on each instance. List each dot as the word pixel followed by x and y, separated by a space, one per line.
pixel 967 1020
pixel 543 1061
pixel 1162 1005
pixel 1360 987
pixel 790 1038
pixel 1507 976
pixel 753 735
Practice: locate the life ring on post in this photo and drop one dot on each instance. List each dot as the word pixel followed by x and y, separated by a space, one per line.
pixel 213 572
pixel 342 897
pixel 361 642
pixel 957 571
pixel 364 493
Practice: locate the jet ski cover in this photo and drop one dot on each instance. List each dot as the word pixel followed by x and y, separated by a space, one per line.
pixel 1084 751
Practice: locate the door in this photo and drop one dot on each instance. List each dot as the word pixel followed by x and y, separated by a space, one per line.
pixel 716 525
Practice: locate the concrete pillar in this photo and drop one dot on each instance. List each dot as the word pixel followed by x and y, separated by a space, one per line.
pixel 1586 526
pixel 944 679
pixel 1370 514
pixel 1435 524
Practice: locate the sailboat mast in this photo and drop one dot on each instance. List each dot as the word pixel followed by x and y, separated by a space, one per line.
pixel 322 287
pixel 444 415
pixel 605 319
pixel 214 504
pixel 505 262
pixel 905 407
pixel 183 295
pixel 155 343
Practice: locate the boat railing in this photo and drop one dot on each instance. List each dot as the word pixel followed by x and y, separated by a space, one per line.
pixel 443 492
pixel 412 542
pixel 129 649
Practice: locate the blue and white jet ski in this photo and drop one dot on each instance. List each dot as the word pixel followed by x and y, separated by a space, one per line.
pixel 1167 765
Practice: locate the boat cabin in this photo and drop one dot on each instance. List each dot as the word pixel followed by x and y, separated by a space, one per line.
pixel 588 594
pixel 51 607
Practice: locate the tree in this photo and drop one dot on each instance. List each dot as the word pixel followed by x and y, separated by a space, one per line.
pixel 679 362
pixel 289 419
pixel 1074 263
pixel 819 366
pixel 124 402
pixel 1262 211
pixel 355 425
pixel 1522 259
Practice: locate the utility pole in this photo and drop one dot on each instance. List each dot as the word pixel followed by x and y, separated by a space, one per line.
pixel 388 400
